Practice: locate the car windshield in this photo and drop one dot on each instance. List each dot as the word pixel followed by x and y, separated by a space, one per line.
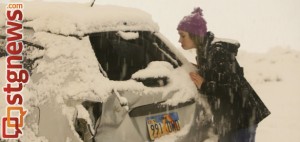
pixel 120 57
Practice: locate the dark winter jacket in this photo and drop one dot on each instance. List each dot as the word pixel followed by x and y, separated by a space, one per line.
pixel 234 103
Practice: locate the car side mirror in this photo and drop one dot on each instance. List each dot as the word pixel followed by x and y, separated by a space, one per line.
pixel 156 74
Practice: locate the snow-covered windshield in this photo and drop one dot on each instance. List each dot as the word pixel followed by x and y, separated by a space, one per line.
pixel 120 57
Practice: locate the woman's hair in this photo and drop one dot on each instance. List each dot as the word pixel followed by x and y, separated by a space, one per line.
pixel 198 40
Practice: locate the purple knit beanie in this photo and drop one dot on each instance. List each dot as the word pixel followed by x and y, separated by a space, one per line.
pixel 194 23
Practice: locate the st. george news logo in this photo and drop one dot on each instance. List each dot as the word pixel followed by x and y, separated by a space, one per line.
pixel 12 123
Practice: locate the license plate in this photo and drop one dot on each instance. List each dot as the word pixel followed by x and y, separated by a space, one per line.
pixel 163 124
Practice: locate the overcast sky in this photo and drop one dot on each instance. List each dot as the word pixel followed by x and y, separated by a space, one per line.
pixel 257 24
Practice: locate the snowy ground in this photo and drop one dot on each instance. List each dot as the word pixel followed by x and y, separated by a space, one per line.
pixel 275 76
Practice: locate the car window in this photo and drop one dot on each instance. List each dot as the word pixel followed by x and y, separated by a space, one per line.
pixel 120 58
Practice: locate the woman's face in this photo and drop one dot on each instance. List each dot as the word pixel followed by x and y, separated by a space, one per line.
pixel 185 40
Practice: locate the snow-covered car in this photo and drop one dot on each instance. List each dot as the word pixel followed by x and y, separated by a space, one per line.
pixel 104 73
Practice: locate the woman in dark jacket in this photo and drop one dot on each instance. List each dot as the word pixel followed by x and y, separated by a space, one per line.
pixel 236 107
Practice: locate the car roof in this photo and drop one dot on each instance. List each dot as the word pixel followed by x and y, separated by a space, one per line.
pixel 80 19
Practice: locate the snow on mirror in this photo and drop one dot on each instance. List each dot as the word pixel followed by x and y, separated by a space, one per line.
pixel 156 74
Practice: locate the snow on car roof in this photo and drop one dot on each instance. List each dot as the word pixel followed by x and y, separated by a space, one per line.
pixel 80 19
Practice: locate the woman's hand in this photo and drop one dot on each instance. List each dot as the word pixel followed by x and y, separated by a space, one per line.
pixel 197 79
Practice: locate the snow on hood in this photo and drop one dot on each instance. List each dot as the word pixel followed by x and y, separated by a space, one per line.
pixel 79 19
